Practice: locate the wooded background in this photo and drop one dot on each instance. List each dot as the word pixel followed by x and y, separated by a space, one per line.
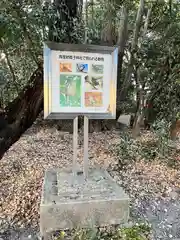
pixel 148 36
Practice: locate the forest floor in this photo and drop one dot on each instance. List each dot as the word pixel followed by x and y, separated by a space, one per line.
pixel 153 186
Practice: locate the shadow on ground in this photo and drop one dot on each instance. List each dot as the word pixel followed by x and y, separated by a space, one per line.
pixel 20 234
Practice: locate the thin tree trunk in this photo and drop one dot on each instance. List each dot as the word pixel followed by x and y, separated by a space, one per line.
pixel 86 22
pixel 107 37
pixel 108 32
pixel 140 104
pixel 134 44
pixel 175 130
pixel 122 39
pixel 139 117
pixel 140 85
pixel 68 12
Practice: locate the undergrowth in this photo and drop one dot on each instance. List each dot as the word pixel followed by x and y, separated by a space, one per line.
pixel 151 145
pixel 139 232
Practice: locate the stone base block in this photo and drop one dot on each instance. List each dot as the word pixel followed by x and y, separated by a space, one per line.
pixel 69 202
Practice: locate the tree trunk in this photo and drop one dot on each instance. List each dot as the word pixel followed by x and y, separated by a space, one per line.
pixel 122 39
pixel 68 12
pixel 140 85
pixel 22 112
pixel 175 130
pixel 139 115
pixel 108 31
pixel 108 38
pixel 137 27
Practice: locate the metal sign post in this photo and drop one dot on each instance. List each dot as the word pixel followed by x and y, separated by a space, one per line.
pixel 75 145
pixel 86 130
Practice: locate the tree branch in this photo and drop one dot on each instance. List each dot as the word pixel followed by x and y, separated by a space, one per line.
pixel 16 85
pixel 26 34
pixel 86 22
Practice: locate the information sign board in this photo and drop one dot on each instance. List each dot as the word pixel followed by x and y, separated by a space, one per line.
pixel 79 80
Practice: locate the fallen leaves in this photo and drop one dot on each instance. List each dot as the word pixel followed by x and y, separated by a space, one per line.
pixel 22 168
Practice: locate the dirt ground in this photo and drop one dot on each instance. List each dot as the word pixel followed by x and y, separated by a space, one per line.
pixel 154 188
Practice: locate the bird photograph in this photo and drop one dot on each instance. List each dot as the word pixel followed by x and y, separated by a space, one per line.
pixel 70 88
pixel 93 83
pixel 97 69
pixel 82 67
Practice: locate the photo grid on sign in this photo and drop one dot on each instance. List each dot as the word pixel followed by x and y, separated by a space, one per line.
pixel 71 77
pixel 94 86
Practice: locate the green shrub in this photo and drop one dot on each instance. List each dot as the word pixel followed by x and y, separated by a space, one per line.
pixel 138 232
pixel 156 145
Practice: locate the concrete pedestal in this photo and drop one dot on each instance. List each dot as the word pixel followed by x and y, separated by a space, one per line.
pixel 97 202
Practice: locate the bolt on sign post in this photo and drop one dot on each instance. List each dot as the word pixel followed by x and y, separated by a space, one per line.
pixel 79 79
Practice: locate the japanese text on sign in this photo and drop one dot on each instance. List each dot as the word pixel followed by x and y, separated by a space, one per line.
pixel 81 57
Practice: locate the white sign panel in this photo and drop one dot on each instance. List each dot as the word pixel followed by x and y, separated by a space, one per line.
pixel 79 82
